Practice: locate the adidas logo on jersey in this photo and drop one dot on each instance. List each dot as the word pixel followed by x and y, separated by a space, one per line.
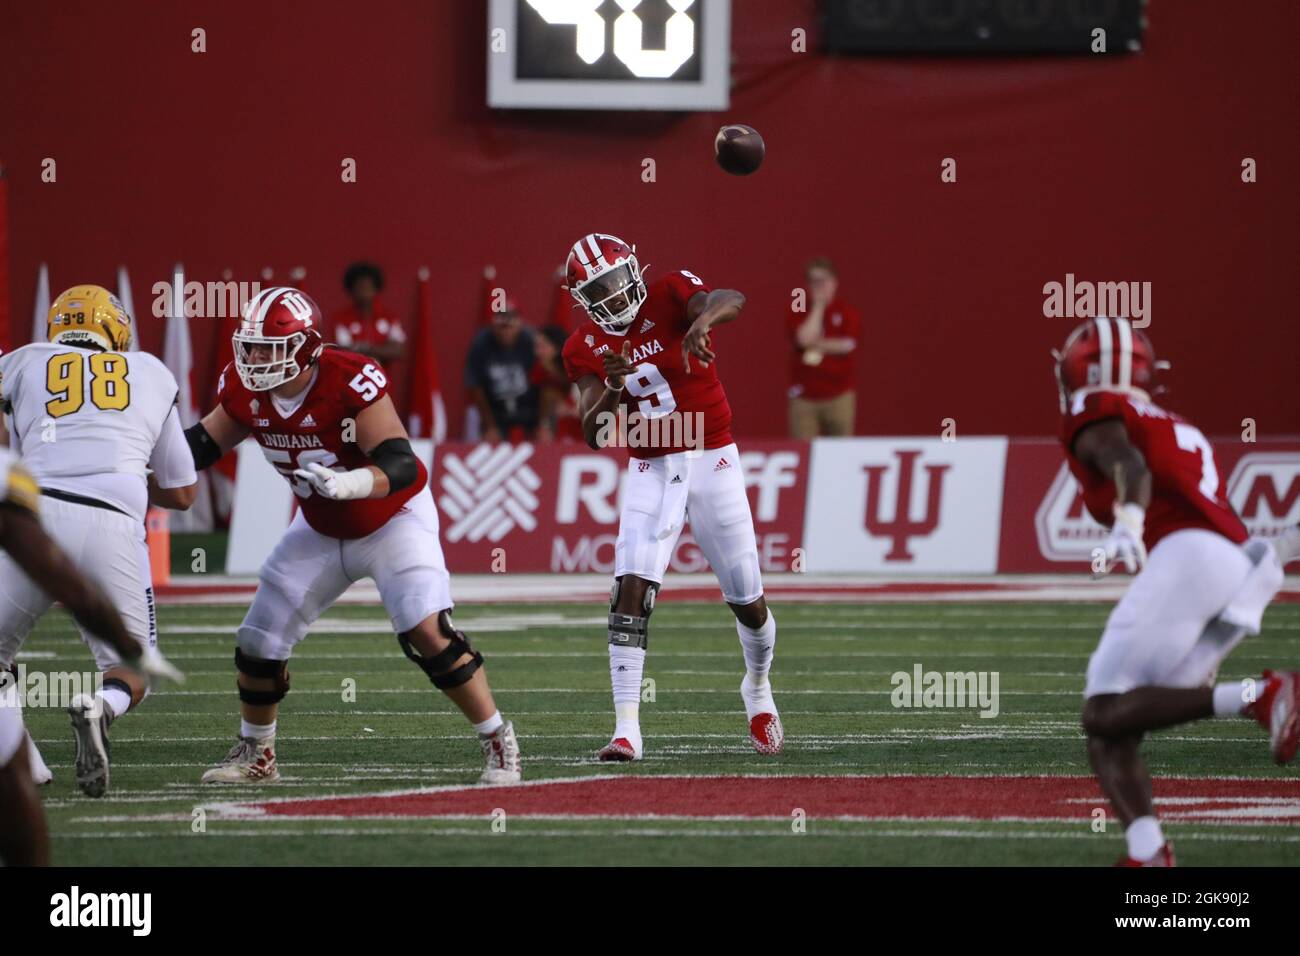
pixel 722 465
pixel 645 326
pixel 677 480
pixel 308 422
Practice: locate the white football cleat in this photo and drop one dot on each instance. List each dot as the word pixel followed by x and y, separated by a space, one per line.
pixel 765 730
pixel 90 731
pixel 249 761
pixel 41 774
pixel 500 756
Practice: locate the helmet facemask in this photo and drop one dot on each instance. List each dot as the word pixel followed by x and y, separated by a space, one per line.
pixel 281 367
pixel 613 297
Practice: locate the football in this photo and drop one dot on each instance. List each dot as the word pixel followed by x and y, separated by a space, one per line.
pixel 739 149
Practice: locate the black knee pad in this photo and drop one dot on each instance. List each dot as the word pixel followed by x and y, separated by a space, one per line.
pixel 631 630
pixel 441 667
pixel 277 671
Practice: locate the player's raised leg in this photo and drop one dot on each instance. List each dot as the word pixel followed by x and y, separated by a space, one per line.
pixel 724 529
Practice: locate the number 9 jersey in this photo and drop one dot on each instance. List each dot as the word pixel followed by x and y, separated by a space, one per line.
pixel 319 425
pixel 660 386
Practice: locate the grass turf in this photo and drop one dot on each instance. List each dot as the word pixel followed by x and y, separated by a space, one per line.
pixel 548 668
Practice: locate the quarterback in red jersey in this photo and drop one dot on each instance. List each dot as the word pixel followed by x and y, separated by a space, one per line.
pixel 648 348
pixel 1202 583
pixel 325 421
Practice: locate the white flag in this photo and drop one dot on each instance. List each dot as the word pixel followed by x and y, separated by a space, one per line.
pixel 41 311
pixel 178 356
pixel 124 296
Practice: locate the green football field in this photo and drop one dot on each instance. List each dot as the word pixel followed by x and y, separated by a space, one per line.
pixel 860 781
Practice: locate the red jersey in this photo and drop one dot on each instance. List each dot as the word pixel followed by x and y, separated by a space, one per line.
pixel 834 374
pixel 345 383
pixel 382 325
pixel 1187 490
pixel 660 385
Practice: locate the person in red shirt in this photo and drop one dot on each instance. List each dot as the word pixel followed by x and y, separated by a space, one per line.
pixel 824 342
pixel 368 327
pixel 1202 584
pixel 644 357
pixel 325 421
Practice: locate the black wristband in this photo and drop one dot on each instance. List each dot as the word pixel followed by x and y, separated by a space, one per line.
pixel 395 459
pixel 205 451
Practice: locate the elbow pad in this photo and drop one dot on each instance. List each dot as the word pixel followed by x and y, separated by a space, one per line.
pixel 395 459
pixel 206 452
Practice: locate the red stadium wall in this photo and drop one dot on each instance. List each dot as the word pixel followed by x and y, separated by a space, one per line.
pixel 1123 168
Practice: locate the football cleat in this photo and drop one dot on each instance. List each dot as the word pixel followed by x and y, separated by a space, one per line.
pixel 766 733
pixel 90 731
pixel 1164 857
pixel 1278 712
pixel 618 750
pixel 765 730
pixel 249 761
pixel 501 756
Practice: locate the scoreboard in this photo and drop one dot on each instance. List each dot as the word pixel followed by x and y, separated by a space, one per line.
pixel 609 54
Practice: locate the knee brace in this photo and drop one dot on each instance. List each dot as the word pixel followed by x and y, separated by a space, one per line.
pixel 630 630
pixel 441 667
pixel 277 671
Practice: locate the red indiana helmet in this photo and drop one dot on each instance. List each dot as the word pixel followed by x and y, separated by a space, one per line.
pixel 279 336
pixel 1106 355
pixel 605 278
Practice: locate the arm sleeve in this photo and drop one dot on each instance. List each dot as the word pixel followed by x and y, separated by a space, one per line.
pixel 578 360
pixel 171 461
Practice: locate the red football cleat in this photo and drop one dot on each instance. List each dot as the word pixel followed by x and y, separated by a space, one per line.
pixel 1164 857
pixel 1278 712
pixel 619 749
pixel 766 733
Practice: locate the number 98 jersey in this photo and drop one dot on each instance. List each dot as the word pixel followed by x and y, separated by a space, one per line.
pixel 319 425
pixel 660 386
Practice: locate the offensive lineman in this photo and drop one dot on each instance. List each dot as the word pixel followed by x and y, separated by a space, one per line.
pixel 23 837
pixel 325 421
pixel 98 428
pixel 1201 586
pixel 653 344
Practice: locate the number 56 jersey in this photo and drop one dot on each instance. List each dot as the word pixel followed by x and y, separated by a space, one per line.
pixel 319 425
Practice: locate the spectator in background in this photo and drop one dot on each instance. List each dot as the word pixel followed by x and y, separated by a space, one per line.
pixel 559 397
pixel 367 326
pixel 824 340
pixel 498 374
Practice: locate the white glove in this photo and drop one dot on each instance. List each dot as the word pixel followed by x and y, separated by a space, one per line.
pixel 1125 540
pixel 338 485
pixel 156 667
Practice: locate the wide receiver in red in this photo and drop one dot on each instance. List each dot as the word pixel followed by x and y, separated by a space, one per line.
pixel 1202 584
pixel 649 348
pixel 325 421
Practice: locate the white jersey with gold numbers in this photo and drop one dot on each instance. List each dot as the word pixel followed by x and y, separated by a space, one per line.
pixel 92 423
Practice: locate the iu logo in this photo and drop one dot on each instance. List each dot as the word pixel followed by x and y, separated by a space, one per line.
pixel 902 526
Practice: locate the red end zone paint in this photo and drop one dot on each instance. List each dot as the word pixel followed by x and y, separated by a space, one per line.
pixel 862 798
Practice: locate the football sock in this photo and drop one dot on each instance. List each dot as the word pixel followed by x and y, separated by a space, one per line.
pixel 491 725
pixel 1230 697
pixel 116 701
pixel 1144 838
pixel 625 667
pixel 256 731
pixel 758 646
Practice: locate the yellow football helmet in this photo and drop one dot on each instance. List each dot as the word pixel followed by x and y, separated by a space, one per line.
pixel 89 315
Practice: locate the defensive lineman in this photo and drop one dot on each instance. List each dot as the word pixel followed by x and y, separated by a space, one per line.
pixel 324 420
pixel 98 428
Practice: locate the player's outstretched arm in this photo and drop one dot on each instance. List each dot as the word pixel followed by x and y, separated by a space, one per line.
pixel 705 310
pixel 212 437
pixel 383 439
